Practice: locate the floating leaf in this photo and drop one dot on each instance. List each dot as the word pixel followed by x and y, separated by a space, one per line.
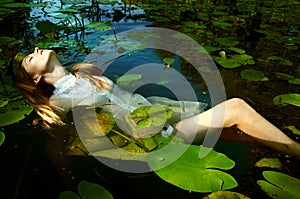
pixel 190 172
pixel 130 152
pixel 128 78
pixel 98 26
pixel 253 75
pixel 169 60
pixel 226 63
pixel 285 99
pixel 280 185
pixel 68 195
pixel 151 115
pixel 227 41
pixel 11 117
pixel 3 102
pixel 242 59
pixel 238 50
pixel 284 76
pixel 191 24
pixel 295 81
pixel 269 162
pixel 293 129
pixel 286 62
pixel 225 195
pixel 222 24
pixel 88 190
pixel 2 137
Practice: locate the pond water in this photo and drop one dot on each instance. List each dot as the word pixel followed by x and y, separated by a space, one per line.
pixel 260 41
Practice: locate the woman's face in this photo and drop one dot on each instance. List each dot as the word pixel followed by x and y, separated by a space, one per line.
pixel 41 61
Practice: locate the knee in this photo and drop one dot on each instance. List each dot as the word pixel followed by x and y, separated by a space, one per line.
pixel 237 104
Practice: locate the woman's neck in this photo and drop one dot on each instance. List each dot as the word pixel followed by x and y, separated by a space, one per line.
pixel 57 73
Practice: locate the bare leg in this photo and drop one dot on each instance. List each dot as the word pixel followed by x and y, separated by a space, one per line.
pixel 236 112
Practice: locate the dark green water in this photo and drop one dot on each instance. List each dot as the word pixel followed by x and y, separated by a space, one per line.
pixel 268 31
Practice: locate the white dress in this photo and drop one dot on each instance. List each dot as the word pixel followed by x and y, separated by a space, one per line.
pixel 71 91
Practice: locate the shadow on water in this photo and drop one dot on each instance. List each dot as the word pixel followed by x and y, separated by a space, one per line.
pixel 32 165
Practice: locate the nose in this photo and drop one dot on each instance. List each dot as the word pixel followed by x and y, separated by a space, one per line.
pixel 36 50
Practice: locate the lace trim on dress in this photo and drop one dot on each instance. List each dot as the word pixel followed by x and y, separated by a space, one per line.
pixel 64 85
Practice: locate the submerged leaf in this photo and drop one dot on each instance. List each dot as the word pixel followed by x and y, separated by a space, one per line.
pixel 280 185
pixel 190 172
pixel 269 162
pixel 253 75
pixel 225 195
pixel 98 26
pixel 88 190
pixel 128 78
pixel 285 99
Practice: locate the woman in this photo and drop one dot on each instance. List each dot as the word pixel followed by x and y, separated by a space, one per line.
pixel 48 86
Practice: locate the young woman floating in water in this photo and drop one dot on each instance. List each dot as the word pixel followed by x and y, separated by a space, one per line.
pixel 50 89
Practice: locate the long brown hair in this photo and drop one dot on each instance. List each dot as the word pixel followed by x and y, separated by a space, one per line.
pixel 38 95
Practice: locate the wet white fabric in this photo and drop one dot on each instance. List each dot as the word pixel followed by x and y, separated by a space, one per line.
pixel 71 91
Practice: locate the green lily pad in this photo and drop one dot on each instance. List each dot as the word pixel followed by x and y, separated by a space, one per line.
pixel 11 117
pixel 286 62
pixel 284 76
pixel 169 60
pixel 295 81
pixel 128 78
pixel 151 115
pixel 226 63
pixel 87 190
pixel 2 137
pixel 285 99
pixel 293 129
pixel 253 75
pixel 243 59
pixel 129 152
pixel 190 172
pixel 3 102
pixel 269 162
pixel 227 41
pixel 98 26
pixel 222 24
pixel 238 50
pixel 280 185
pixel 225 195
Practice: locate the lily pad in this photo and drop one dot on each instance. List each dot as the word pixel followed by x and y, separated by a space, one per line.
pixel 222 24
pixel 87 190
pixel 128 78
pixel 295 81
pixel 144 36
pixel 227 41
pixel 98 26
pixel 225 195
pixel 226 63
pixel 285 99
pixel 2 137
pixel 169 60
pixel 253 75
pixel 151 115
pixel 280 185
pixel 190 172
pixel 11 117
pixel 269 162
pixel 293 129
pixel 284 76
